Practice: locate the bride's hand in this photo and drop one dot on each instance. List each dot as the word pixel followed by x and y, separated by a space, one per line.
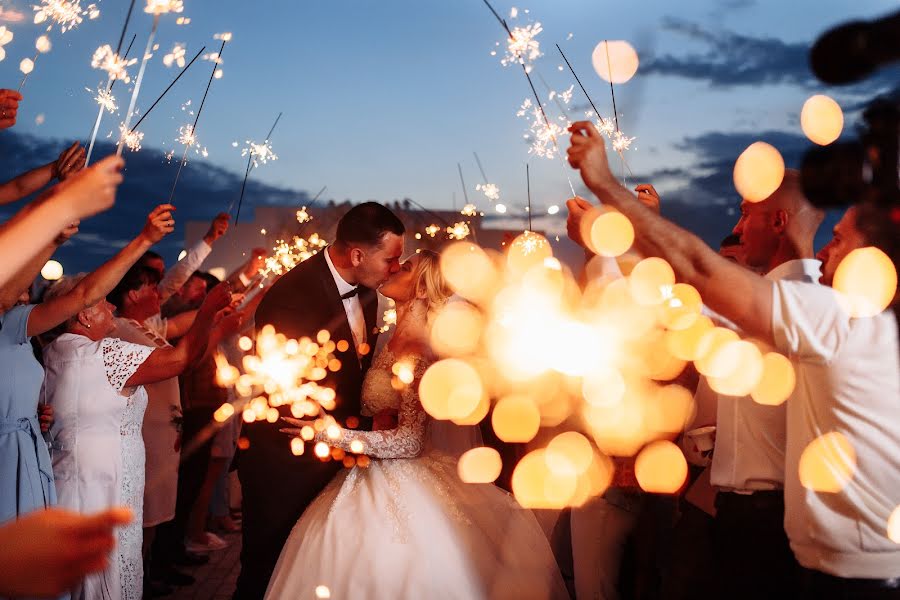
pixel 298 424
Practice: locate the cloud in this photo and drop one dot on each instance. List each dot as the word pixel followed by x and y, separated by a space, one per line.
pixel 701 197
pixel 731 59
pixel 203 191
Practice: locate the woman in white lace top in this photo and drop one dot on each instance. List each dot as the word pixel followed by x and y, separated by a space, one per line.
pixel 95 385
pixel 406 526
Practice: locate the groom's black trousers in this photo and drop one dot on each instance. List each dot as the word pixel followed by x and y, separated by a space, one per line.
pixel 276 488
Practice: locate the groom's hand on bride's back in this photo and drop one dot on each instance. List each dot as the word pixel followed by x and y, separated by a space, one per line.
pixel 386 419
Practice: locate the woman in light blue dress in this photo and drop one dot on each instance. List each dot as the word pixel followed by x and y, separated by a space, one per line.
pixel 24 458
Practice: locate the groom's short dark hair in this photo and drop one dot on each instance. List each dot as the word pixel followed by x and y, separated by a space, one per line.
pixel 366 223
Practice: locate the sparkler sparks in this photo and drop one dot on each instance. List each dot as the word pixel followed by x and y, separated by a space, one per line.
pixel 6 36
pixel 287 255
pixel 161 7
pixel 522 47
pixel 490 190
pixel 107 60
pixel 469 210
pixel 187 138
pixel 432 230
pixel 176 56
pixel 542 138
pixel 389 319
pixel 303 216
pixel 131 139
pixel 104 98
pixel 260 153
pixel 283 372
pixel 458 231
pixel 67 14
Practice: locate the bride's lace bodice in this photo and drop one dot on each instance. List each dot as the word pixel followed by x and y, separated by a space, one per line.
pixel 378 394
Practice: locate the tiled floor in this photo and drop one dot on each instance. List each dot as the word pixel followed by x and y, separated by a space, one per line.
pixel 217 578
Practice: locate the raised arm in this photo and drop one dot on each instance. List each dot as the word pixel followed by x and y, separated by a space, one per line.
pixel 9 293
pixel 87 193
pixel 181 271
pixel 98 284
pixel 164 363
pixel 734 292
pixel 69 162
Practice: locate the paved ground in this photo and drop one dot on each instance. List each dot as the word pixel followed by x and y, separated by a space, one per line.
pixel 217 578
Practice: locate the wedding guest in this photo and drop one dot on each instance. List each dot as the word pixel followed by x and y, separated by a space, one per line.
pixel 70 161
pixel 26 475
pixel 172 280
pixel 86 193
pixel 45 553
pixel 96 385
pixel 847 383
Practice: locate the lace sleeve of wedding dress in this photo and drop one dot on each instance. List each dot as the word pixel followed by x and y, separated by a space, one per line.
pixel 406 441
pixel 121 359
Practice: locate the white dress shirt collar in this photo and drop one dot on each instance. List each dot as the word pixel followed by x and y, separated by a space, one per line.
pixel 800 269
pixel 342 285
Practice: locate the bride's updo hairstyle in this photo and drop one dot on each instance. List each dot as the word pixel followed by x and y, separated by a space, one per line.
pixel 429 282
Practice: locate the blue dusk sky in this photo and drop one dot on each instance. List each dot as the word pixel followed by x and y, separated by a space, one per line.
pixel 381 100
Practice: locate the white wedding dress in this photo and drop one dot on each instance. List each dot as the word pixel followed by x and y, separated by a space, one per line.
pixel 406 527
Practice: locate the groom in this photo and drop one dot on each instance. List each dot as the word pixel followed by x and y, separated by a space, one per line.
pixel 334 290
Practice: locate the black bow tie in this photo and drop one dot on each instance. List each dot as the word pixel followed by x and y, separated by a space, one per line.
pixel 351 293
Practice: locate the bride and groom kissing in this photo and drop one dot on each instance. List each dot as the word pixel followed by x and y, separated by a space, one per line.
pixel 405 526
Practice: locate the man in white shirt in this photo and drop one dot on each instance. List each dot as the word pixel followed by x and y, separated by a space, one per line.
pixel 752 554
pixel 848 384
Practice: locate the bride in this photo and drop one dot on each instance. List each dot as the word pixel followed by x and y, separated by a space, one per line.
pixel 406 526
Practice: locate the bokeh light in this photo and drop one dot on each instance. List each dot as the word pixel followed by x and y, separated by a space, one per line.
pixel 777 381
pixel 516 419
pixel 661 468
pixel 758 172
pixel 450 389
pixel 52 270
pixel 615 61
pixel 651 281
pixel 821 119
pixel 828 463
pixel 741 363
pixel 479 465
pixel 867 282
pixel 469 271
pixel 611 233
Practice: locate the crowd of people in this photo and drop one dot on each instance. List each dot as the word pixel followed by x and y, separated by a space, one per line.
pixel 113 471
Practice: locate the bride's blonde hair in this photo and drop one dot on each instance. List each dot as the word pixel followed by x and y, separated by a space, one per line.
pixel 429 282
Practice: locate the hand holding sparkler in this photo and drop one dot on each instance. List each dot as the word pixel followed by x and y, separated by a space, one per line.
pixel 69 162
pixel 160 223
pixel 92 190
pixel 217 228
pixel 648 196
pixel 9 107
pixel 588 154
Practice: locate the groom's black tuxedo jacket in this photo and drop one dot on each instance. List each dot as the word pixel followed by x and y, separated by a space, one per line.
pixel 276 485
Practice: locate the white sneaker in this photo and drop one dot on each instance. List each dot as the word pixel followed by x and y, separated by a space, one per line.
pixel 213 543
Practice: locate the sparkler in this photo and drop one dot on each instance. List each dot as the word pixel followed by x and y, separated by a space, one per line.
pixel 116 69
pixel 490 190
pixel 257 153
pixel 157 8
pixel 551 133
pixel 166 91
pixel 226 37
pixel 463 182
pixel 282 372
pixel 610 128
pixel 66 14
pixel 287 255
pixel 528 187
